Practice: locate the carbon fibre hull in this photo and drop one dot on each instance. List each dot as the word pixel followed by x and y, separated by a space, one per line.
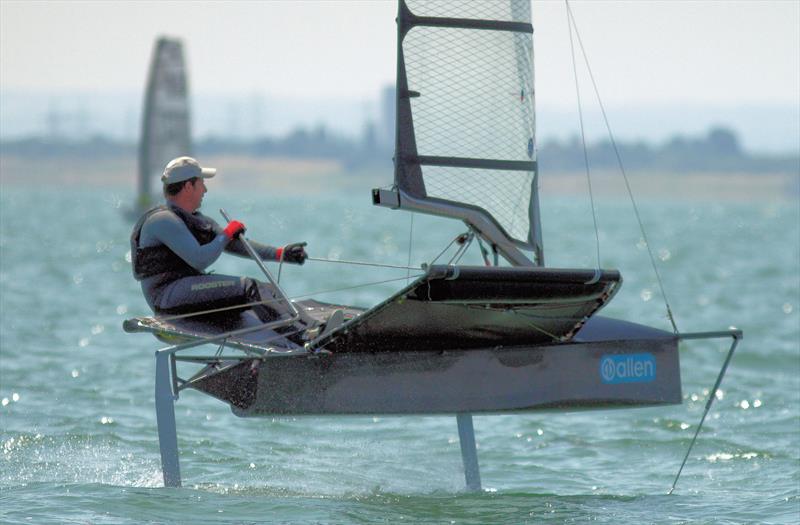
pixel 600 371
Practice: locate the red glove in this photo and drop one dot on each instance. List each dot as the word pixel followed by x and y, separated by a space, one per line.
pixel 234 229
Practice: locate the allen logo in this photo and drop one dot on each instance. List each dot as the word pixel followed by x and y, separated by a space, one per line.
pixel 628 368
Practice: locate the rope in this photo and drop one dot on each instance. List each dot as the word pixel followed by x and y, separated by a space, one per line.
pixel 216 310
pixel 537 327
pixel 622 169
pixel 268 301
pixel 583 135
pixel 353 287
pixel 264 302
pixel 362 263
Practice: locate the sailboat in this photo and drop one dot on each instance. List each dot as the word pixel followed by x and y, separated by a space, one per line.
pixel 458 339
pixel 165 132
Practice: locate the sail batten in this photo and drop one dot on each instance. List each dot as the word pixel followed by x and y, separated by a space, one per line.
pixel 465 116
pixel 466 162
pixel 468 23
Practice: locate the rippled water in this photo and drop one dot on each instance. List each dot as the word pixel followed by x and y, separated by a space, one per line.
pixel 78 429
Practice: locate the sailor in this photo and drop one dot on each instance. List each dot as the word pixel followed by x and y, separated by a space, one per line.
pixel 173 244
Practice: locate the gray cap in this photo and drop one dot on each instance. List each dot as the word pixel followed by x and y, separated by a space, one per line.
pixel 184 168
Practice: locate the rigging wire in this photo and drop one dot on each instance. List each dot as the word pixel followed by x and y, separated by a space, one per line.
pixel 455 239
pixel 570 23
pixel 484 251
pixel 410 240
pixel 465 240
pixel 622 169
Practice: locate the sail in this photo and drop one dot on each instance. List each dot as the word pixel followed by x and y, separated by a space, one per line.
pixel 465 142
pixel 165 118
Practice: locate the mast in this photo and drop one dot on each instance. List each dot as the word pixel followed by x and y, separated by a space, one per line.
pixel 465 125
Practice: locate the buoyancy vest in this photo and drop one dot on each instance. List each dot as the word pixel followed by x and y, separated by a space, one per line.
pixel 156 260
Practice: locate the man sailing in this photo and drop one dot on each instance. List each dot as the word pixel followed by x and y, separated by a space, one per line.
pixel 173 244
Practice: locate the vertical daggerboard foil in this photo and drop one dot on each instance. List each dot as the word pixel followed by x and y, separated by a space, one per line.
pixel 471 97
pixel 166 116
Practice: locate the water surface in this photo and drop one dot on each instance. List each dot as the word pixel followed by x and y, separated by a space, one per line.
pixel 78 433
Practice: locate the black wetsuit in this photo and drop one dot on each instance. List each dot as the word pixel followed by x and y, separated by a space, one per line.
pixel 170 250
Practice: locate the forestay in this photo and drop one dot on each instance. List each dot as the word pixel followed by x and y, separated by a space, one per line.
pixel 465 117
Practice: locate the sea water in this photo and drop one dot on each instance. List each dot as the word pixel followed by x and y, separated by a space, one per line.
pixel 77 421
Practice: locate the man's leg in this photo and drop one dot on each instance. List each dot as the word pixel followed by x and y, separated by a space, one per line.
pixel 204 292
pixel 208 292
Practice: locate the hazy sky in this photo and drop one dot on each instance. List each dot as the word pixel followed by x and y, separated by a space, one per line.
pixel 663 67
pixel 695 51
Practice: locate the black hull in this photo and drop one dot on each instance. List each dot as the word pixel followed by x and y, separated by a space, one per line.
pixel 566 376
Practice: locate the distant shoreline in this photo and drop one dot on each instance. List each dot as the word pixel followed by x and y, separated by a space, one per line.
pixel 312 176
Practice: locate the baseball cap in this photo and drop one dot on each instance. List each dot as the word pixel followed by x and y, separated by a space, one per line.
pixel 184 168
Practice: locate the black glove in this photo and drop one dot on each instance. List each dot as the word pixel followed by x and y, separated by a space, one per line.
pixel 293 253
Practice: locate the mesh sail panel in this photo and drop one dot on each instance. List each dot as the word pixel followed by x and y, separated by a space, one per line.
pixel 472 98
pixel 511 11
pixel 504 194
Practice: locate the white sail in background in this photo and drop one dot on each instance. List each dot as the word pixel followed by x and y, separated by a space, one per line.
pixel 165 119
pixel 466 123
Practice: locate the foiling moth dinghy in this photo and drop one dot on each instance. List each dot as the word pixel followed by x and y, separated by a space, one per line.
pixel 457 339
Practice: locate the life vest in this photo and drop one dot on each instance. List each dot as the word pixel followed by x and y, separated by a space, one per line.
pixel 156 260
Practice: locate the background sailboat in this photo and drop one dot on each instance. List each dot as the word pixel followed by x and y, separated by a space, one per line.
pixel 165 132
